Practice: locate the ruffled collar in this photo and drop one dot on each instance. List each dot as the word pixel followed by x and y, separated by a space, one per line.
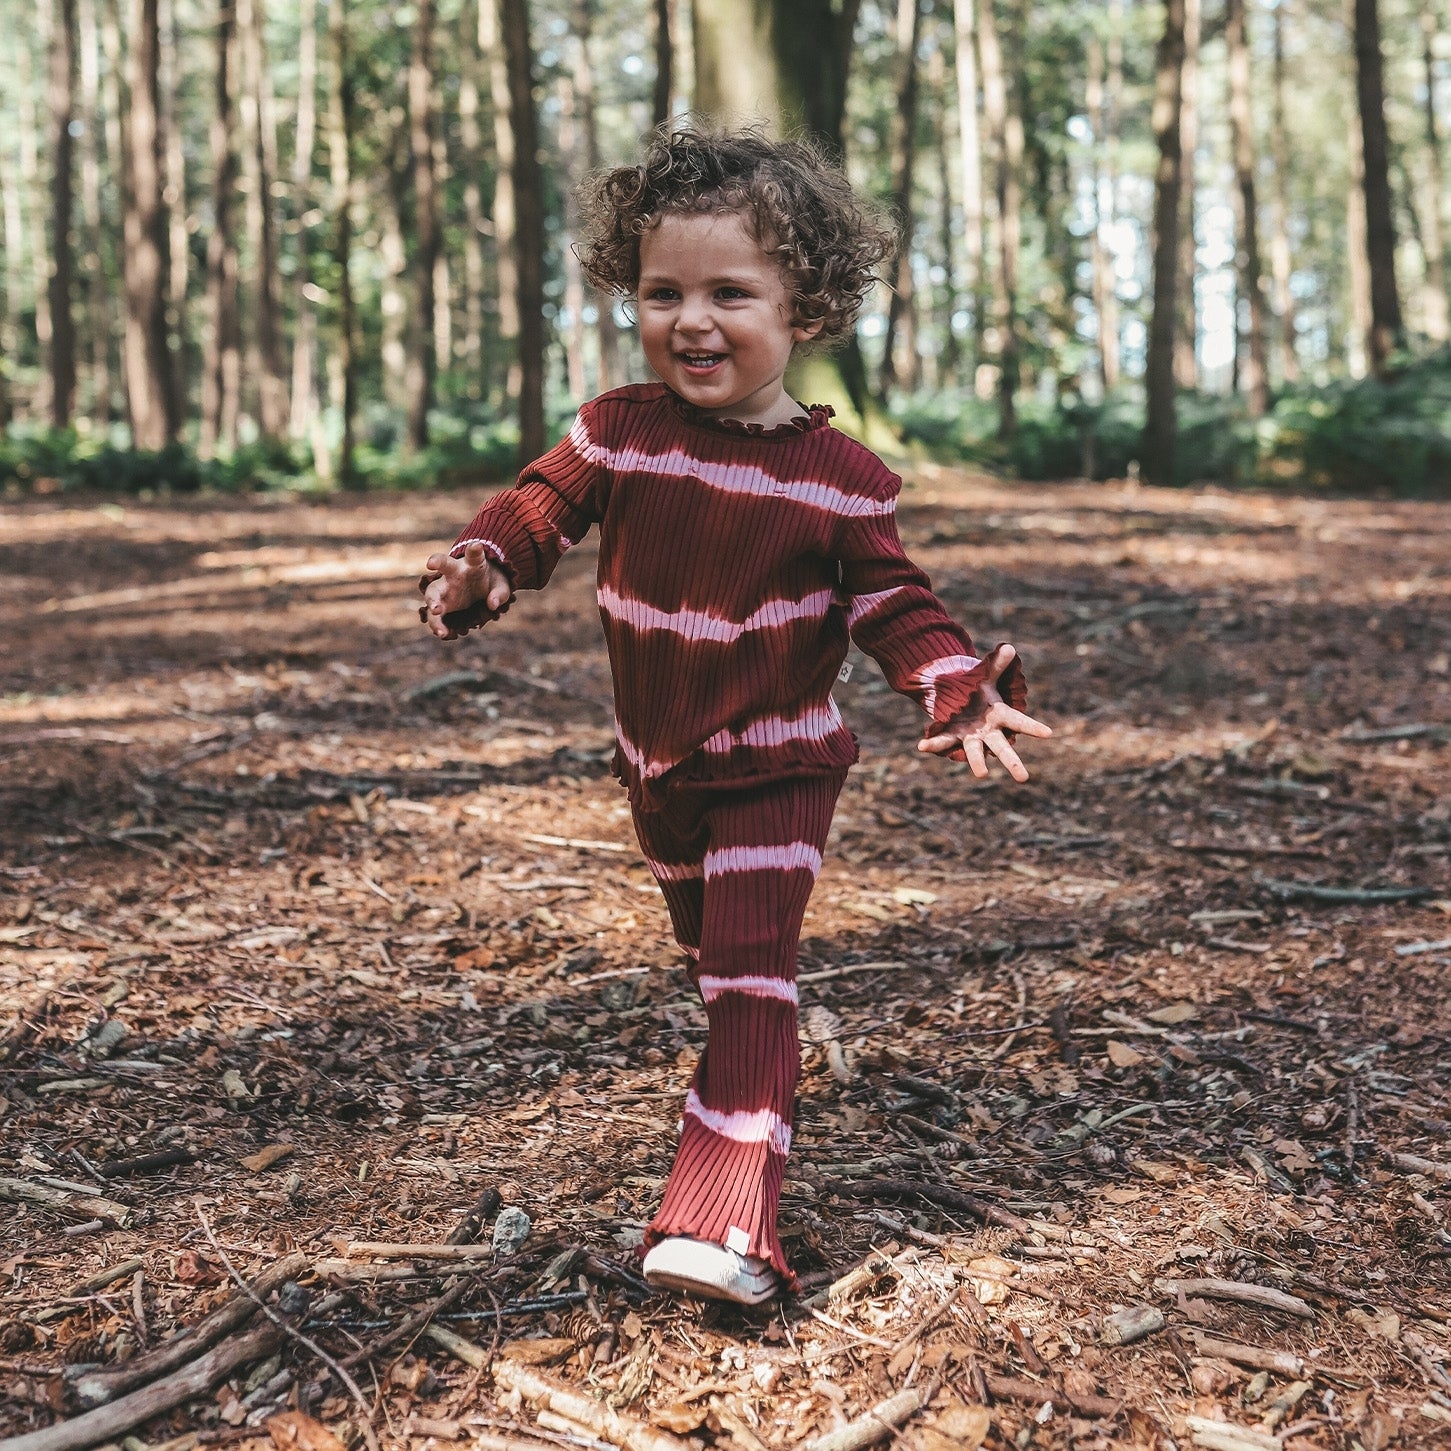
pixel 818 415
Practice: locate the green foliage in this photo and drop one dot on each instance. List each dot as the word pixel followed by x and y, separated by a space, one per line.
pixel 1390 437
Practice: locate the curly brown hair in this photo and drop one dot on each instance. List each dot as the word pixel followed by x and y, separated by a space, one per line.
pixel 800 205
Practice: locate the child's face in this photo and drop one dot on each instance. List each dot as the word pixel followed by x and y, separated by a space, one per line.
pixel 716 316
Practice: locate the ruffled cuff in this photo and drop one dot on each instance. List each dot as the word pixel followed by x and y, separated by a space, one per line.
pixel 955 692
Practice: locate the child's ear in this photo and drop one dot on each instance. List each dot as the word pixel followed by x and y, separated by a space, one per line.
pixel 803 332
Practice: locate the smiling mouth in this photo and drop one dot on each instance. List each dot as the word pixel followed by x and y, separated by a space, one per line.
pixel 701 362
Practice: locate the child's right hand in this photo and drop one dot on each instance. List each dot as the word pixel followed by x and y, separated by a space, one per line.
pixel 455 586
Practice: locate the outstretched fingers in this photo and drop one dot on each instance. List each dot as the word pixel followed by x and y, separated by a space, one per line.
pixel 1005 718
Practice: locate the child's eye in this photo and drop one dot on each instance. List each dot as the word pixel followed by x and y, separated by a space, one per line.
pixel 662 294
pixel 732 294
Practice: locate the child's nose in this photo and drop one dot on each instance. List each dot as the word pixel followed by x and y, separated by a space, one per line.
pixel 695 315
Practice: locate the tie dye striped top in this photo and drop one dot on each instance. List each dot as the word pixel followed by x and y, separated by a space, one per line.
pixel 735 565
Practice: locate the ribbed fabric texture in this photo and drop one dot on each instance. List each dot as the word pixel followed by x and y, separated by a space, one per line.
pixel 736 868
pixel 734 563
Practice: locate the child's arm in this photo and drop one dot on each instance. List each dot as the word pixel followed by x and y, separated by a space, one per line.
pixel 974 704
pixel 517 538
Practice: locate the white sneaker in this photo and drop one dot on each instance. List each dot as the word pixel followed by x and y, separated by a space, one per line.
pixel 701 1268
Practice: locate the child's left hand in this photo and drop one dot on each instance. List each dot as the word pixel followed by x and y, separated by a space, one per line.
pixel 980 727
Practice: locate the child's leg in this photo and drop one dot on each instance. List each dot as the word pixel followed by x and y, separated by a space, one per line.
pixel 762 860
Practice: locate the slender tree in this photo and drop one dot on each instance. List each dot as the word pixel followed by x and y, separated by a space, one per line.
pixel 529 234
pixel 151 395
pixel 1280 261
pixel 1387 331
pixel 964 22
pixel 904 161
pixel 475 225
pixel 1005 130
pixel 62 97
pixel 608 334
pixel 1161 427
pixel 342 358
pixel 948 353
pixel 662 101
pixel 1101 254
pixel 422 365
pixel 222 355
pixel 303 410
pixel 505 209
pixel 178 248
pixel 95 293
pixel 1241 125
pixel 1433 207
pixel 1186 345
pixel 35 204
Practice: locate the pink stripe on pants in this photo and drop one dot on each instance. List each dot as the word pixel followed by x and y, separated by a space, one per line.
pixel 736 868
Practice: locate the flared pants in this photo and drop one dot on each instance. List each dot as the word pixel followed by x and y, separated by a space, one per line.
pixel 736 867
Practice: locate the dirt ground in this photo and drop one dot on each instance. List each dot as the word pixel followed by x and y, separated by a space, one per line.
pixel 312 931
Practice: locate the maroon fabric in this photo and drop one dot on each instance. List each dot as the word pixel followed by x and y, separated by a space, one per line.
pixel 733 566
pixel 736 868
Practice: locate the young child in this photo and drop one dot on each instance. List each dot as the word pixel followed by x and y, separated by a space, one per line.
pixel 743 541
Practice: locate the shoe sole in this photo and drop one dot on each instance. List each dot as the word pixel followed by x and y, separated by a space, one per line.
pixel 665 1280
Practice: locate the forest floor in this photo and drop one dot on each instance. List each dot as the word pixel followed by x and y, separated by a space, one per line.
pixel 312 931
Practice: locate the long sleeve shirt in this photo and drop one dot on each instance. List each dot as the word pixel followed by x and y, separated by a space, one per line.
pixel 735 565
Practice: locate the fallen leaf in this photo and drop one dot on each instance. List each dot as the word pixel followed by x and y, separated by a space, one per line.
pixel 1378 1430
pixel 193 1268
pixel 296 1431
pixel 680 1417
pixel 1383 1324
pixel 233 1086
pixel 1122 1056
pixel 1159 1173
pixel 1292 1156
pixel 958 1428
pixel 1173 1013
pixel 1122 1196
pixel 991 1290
pixel 265 1158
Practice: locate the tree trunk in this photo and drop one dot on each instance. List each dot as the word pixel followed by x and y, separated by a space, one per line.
pixel 570 149
pixel 529 234
pixel 505 209
pixel 35 203
pixel 948 352
pixel 257 110
pixel 1280 240
pixel 662 106
pixel 608 335
pixel 342 359
pixel 62 97
pixel 732 84
pixel 1186 346
pixel 1433 211
pixel 474 224
pixel 1357 263
pixel 904 160
pixel 222 355
pixel 1005 129
pixel 303 410
pixel 95 294
pixel 390 190
pixel 1160 424
pixel 178 269
pixel 1102 261
pixel 964 20
pixel 150 394
pixel 422 369
pixel 1241 126
pixel 1387 331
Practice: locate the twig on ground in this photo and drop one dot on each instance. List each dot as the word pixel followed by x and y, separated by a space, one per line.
pixel 1366 895
pixel 1241 1293
pixel 939 1194
pixel 1279 1361
pixel 876 1424
pixel 65 1201
pixel 485 1207
pixel 611 1425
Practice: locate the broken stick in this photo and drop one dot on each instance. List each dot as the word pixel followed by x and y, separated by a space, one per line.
pixel 876 1424
pixel 610 1425
pixel 111 1422
pixel 1240 1292
pixel 64 1201
pixel 96 1387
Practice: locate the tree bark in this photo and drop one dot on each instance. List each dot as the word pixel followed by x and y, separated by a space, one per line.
pixel 303 411
pixel 1005 128
pixel 529 234
pixel 904 161
pixel 948 353
pixel 1357 263
pixel 1160 424
pixel 343 367
pixel 422 369
pixel 62 95
pixel 662 103
pixel 95 294
pixel 222 355
pixel 505 209
pixel 570 153
pixel 1387 332
pixel 475 225
pixel 1280 261
pixel 1102 261
pixel 1186 346
pixel 35 204
pixel 607 333
pixel 964 21
pixel 261 153
pixel 150 394
pixel 1241 126
pixel 178 253
pixel 1433 209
